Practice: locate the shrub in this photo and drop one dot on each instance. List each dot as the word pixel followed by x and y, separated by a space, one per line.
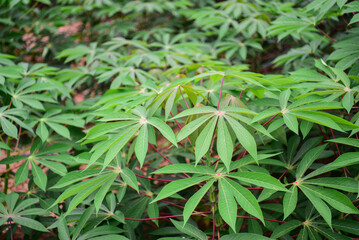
pixel 179 119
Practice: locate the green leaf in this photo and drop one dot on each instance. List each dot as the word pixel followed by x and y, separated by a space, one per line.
pixel 182 167
pixel 85 192
pixel 8 127
pixel 22 173
pixel 100 195
pixel 204 140
pixel 193 201
pixel 73 177
pixel 42 131
pixel 244 198
pixel 347 141
pixel 102 129
pixel 59 129
pixel 30 223
pixel 178 185
pixel 334 198
pixel 196 110
pixel 259 179
pixel 291 121
pixel 227 206
pixel 290 201
pixel 341 183
pixel 142 144
pixel 191 127
pixel 283 98
pixel 317 118
pixel 224 143
pixel 285 228
pixel 318 204
pixel 165 130
pixel 266 113
pixel 244 137
pixel 129 177
pixel 189 230
pixel 308 160
pixel 40 177
pixel 348 101
pixel 78 187
pixel 305 127
pixel 169 103
pixel 330 234
pixel 63 230
pixel 117 146
pixel 343 160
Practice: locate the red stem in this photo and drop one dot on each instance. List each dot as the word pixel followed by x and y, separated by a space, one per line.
pixel 283 174
pixel 326 34
pixel 336 144
pixel 326 138
pixel 165 157
pixel 184 98
pixel 220 92
pixel 240 95
pixel 11 234
pixel 270 120
pixel 156 179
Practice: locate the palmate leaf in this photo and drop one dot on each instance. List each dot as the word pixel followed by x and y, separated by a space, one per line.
pixel 142 144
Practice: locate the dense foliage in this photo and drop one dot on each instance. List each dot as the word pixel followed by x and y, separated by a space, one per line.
pixel 179 119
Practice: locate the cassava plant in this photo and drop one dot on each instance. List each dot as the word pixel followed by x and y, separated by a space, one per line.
pixel 179 120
